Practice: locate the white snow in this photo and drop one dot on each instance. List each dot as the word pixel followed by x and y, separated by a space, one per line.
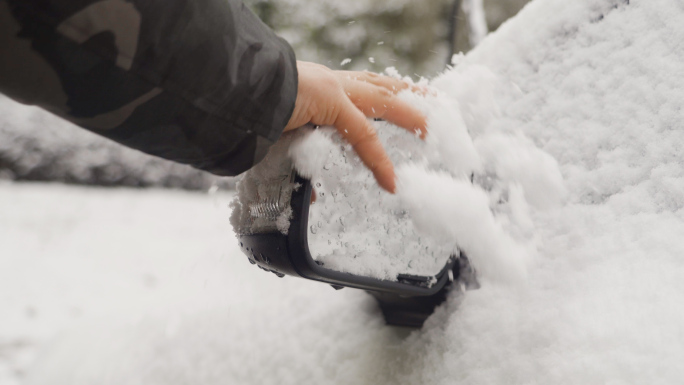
pixel 354 226
pixel 452 211
pixel 601 89
pixel 69 256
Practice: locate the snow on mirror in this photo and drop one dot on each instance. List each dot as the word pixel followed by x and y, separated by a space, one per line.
pixel 354 226
pixel 466 187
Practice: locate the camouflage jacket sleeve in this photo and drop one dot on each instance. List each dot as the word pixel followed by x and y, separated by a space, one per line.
pixel 201 82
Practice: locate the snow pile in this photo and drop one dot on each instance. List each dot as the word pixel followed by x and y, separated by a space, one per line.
pixel 601 91
pixel 38 146
pixel 457 190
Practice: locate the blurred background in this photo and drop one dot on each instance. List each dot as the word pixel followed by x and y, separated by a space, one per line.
pixel 417 37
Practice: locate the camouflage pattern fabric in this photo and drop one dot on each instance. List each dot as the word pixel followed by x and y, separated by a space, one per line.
pixel 201 82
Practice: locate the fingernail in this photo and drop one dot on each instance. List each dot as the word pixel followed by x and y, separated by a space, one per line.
pixel 391 185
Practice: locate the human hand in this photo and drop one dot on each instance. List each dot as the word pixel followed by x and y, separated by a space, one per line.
pixel 345 99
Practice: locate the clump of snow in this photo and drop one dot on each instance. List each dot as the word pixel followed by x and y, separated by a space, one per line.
pixel 283 220
pixel 515 159
pixel 310 150
pixel 454 211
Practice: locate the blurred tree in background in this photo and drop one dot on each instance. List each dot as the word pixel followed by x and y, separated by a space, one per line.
pixel 496 12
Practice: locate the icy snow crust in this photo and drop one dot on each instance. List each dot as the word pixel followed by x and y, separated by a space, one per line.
pixel 601 91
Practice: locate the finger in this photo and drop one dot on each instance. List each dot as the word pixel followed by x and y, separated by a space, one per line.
pixel 357 131
pixel 377 102
pixel 391 84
